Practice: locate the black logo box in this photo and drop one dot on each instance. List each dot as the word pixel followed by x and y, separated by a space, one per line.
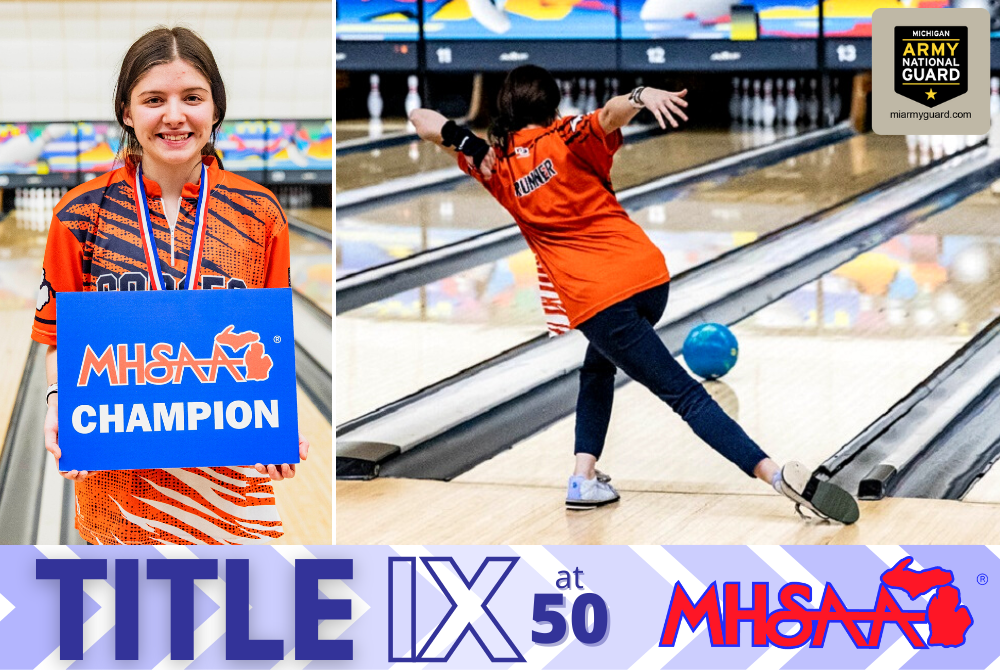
pixel 943 52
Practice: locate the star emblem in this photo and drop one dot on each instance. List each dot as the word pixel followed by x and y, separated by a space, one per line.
pixel 931 93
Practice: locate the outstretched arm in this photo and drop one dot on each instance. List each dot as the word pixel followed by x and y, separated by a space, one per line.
pixel 434 127
pixel 664 105
pixel 428 124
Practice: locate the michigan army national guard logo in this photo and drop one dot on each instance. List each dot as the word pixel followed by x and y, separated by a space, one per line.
pixel 932 64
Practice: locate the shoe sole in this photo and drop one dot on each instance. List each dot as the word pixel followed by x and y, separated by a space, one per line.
pixel 587 504
pixel 826 499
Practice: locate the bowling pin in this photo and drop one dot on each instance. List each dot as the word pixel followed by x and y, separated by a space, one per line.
pixel 412 101
pixel 758 104
pixel 745 103
pixel 791 106
pixel 950 144
pixel 994 134
pixel 591 96
pixel 779 103
pixel 803 106
pixel 768 110
pixel 581 98
pixel 37 209
pixel 607 90
pixel 566 103
pixel 374 99
pixel 836 103
pixel 812 104
pixel 614 87
pixel 937 146
pixel 734 102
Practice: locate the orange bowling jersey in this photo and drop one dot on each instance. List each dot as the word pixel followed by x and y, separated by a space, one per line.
pixel 556 183
pixel 94 245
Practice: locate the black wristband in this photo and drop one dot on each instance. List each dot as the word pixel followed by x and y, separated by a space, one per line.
pixel 464 141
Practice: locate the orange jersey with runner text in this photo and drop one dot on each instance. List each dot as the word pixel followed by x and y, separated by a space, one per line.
pixel 556 183
pixel 94 245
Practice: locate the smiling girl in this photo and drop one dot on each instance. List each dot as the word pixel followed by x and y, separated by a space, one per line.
pixel 150 225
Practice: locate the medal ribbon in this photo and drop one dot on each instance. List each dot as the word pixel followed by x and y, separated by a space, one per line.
pixel 149 241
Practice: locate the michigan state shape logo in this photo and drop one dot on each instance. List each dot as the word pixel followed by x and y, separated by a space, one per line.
pixel 932 64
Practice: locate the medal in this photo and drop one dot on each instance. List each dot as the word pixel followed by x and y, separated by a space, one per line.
pixel 190 280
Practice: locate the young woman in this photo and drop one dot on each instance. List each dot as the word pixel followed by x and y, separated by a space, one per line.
pixel 170 102
pixel 600 274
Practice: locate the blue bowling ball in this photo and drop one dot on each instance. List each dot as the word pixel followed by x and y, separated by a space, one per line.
pixel 710 350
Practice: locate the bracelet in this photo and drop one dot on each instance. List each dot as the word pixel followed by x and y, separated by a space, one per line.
pixel 634 98
pixel 53 388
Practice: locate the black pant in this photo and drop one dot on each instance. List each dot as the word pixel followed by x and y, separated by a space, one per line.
pixel 622 336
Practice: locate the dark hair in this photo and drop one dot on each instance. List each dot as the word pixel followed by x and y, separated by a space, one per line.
pixel 529 95
pixel 161 46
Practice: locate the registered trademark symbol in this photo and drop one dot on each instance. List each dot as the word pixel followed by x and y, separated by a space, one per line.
pixel 982 579
pixel 277 339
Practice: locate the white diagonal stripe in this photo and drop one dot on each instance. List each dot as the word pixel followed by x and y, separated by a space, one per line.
pixel 289 662
pixel 329 629
pixel 895 657
pixel 211 628
pixel 454 586
pixel 415 551
pixel 790 570
pixel 901 651
pixel 96 626
pixel 543 562
pixel 671 570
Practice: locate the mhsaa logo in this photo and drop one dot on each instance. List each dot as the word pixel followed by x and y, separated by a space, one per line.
pixel 163 367
pixel 948 619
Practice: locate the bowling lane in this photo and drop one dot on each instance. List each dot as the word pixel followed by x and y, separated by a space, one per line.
pixel 397 346
pixel 319 217
pixel 305 503
pixel 401 229
pixel 21 252
pixel 374 167
pixel 311 271
pixel 681 150
pixel 353 130
pixel 804 384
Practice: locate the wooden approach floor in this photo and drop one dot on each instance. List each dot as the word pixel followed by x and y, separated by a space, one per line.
pixel 406 511
pixel 321 217
pixel 305 503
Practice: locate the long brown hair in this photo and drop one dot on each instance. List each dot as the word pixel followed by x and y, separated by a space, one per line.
pixel 529 96
pixel 161 46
